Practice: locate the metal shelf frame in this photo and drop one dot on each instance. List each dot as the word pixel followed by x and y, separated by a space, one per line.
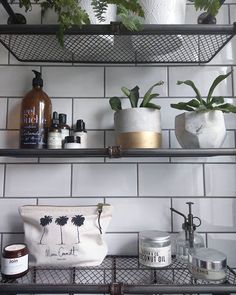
pixel 117 275
pixel 113 44
pixel 115 152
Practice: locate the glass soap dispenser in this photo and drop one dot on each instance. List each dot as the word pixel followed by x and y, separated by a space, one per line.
pixel 188 238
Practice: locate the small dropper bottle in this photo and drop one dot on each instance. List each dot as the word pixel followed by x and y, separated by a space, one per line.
pixel 54 134
pixel 81 132
pixel 65 129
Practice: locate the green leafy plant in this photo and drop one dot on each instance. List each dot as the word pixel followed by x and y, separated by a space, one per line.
pixel 133 96
pixel 211 103
pixel 70 13
pixel 210 6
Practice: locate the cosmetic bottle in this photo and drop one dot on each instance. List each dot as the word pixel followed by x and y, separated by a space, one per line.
pixel 65 129
pixel 81 132
pixel 54 134
pixel 72 142
pixel 188 239
pixel 35 118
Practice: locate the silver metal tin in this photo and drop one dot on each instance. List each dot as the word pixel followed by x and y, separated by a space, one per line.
pixel 208 259
pixel 154 236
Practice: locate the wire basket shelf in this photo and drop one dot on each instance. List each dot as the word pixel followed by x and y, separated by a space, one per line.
pixel 114 269
pixel 105 44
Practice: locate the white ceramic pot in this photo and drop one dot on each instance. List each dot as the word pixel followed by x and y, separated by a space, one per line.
pixel 82 46
pixel 200 130
pixel 138 128
pixel 160 12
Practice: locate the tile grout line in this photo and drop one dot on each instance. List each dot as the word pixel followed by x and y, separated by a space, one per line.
pixel 71 180
pixel 204 179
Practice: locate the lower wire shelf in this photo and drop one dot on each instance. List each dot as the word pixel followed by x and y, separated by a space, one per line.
pixel 116 275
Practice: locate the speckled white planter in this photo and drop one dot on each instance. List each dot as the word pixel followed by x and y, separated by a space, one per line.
pixel 138 128
pixel 200 130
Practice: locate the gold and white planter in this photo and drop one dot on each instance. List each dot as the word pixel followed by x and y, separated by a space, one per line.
pixel 200 130
pixel 138 128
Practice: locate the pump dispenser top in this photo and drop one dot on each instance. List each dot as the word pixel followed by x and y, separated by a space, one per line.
pixel 188 238
pixel 35 119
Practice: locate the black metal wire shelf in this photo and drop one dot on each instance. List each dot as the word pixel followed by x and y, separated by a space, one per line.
pixel 116 275
pixel 105 44
pixel 115 152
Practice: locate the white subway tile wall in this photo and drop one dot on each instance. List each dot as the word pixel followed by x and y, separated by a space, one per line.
pixel 141 190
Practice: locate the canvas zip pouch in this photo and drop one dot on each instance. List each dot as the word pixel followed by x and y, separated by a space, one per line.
pixel 66 236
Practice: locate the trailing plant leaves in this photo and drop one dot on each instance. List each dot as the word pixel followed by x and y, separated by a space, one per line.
pixel 215 83
pixel 226 108
pixel 193 86
pixel 126 91
pixel 152 106
pixel 193 103
pixel 182 106
pixel 99 8
pixel 217 100
pixel 211 6
pixel 148 97
pixel 115 103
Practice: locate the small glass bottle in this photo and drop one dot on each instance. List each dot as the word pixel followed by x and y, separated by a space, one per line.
pixel 54 134
pixel 81 132
pixel 65 129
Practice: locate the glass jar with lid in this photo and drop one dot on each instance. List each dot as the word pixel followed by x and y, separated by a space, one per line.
pixel 154 248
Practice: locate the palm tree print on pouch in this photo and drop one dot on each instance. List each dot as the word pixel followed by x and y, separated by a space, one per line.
pixel 61 221
pixel 78 220
pixel 44 221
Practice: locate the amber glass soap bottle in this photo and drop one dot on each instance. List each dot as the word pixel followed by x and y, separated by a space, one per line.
pixel 36 112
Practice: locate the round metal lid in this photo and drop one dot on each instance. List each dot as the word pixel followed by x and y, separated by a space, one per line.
pixel 207 258
pixel 154 236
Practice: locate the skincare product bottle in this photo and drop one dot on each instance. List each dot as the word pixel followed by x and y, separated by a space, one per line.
pixel 188 238
pixel 81 132
pixel 54 134
pixel 72 142
pixel 208 264
pixel 65 129
pixel 154 248
pixel 36 109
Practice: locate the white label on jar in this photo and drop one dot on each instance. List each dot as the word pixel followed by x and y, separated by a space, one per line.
pixel 83 139
pixel 155 257
pixel 12 266
pixel 54 140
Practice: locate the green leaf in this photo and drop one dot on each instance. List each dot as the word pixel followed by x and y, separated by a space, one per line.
pixel 134 97
pixel 193 86
pixel 210 6
pixel 99 8
pixel 217 81
pixel 147 97
pixel 152 106
pixel 182 106
pixel 126 91
pixel 115 103
pixel 217 100
pixel 193 103
pixel 226 108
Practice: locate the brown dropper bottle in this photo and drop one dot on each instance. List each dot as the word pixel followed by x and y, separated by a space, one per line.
pixel 36 109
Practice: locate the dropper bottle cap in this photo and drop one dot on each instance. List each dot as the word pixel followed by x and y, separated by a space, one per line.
pixel 37 81
pixel 55 119
pixel 80 126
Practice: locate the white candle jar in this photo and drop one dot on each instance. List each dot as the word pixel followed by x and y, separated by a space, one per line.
pixel 154 248
pixel 208 264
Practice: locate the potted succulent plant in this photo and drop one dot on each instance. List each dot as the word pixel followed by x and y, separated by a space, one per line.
pixel 203 126
pixel 138 126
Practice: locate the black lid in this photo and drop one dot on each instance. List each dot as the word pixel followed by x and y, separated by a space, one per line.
pixel 55 118
pixel 62 118
pixel 72 139
pixel 37 81
pixel 80 126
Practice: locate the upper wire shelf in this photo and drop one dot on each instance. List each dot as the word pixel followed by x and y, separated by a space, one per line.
pixel 116 275
pixel 105 44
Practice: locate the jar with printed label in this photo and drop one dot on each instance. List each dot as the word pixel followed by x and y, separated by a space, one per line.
pixel 14 263
pixel 154 248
